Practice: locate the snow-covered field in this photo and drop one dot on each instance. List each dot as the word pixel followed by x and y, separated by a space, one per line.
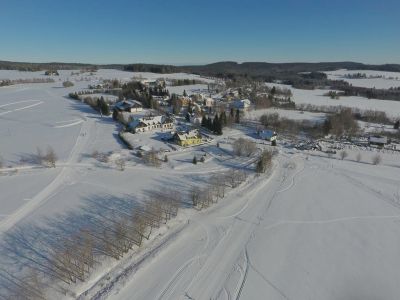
pixel 290 114
pixel 316 97
pixel 387 80
pixel 313 228
pixel 317 228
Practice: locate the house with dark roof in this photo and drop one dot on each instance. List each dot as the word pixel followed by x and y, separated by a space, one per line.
pixel 128 106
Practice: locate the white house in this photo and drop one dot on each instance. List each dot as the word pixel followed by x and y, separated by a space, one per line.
pixel 209 102
pixel 151 123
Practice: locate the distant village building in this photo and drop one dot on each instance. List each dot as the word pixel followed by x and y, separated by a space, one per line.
pixel 377 140
pixel 151 123
pixel 209 102
pixel 128 106
pixel 268 135
pixel 195 118
pixel 241 104
pixel 188 138
pixel 184 101
pixel 161 100
pixel 51 73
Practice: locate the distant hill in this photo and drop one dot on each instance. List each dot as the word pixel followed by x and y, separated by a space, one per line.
pixel 260 68
pixel 252 69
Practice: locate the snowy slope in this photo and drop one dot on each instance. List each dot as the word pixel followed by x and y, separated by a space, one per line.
pixel 309 232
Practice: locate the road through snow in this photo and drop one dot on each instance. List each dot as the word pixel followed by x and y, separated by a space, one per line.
pixel 202 258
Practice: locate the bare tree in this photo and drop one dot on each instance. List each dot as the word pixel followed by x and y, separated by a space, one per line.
pixel 358 157
pixel 120 163
pixel 244 147
pixel 151 158
pixel 195 196
pixel 39 156
pixel 343 154
pixel 18 287
pixel 376 159
pixel 264 162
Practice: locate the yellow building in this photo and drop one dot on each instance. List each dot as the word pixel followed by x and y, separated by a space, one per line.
pixel 188 138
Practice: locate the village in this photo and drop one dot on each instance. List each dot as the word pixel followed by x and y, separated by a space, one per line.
pixel 161 122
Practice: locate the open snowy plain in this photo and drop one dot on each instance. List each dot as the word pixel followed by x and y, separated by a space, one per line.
pixel 314 227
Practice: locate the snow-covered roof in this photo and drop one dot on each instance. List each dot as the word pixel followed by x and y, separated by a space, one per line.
pixel 184 135
pixel 241 103
pixel 148 121
pixel 378 139
pixel 128 104
pixel 267 134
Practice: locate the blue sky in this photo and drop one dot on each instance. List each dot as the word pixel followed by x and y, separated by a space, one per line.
pixel 200 31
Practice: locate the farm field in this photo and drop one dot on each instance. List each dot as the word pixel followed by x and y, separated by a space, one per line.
pixel 316 97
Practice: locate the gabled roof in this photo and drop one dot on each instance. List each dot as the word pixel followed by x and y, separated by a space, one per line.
pixel 378 139
pixel 148 121
pixel 184 135
pixel 128 104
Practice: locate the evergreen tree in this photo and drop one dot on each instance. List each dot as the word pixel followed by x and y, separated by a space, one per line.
pixel 215 123
pixel 232 113
pixel 204 121
pixel 237 116
pixel 397 124
pixel 115 115
pixel 209 124
pixel 194 161
pixel 184 93
pixel 223 118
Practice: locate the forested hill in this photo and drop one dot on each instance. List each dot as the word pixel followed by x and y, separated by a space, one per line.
pixel 252 69
pixel 259 69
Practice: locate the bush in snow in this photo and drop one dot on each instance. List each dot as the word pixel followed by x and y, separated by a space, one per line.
pixel 244 147
pixel 264 162
pixel 67 84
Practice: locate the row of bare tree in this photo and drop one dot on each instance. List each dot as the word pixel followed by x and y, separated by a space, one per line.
pixel 216 188
pixel 66 250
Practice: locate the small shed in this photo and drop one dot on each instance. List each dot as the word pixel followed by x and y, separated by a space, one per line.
pixel 268 135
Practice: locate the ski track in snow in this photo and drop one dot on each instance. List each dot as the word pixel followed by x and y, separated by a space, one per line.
pixel 50 190
pixel 20 108
pixel 69 125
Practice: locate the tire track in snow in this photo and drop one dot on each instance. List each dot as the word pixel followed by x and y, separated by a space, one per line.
pixel 280 292
pixel 293 182
pixel 246 271
pixel 330 221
